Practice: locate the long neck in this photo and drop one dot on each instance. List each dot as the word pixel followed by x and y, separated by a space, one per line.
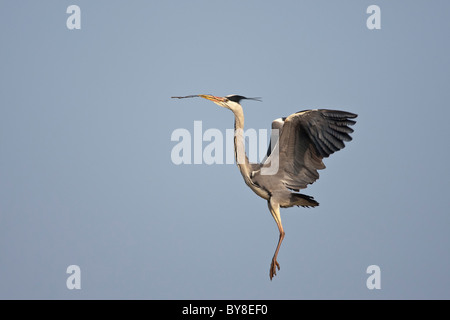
pixel 239 146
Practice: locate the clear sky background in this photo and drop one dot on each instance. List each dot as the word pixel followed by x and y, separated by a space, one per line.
pixel 86 175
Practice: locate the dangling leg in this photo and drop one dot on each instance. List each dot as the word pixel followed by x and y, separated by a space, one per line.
pixel 274 208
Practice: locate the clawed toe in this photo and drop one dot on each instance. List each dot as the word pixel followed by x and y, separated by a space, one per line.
pixel 273 268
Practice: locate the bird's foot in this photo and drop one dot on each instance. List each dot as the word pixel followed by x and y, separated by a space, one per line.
pixel 273 268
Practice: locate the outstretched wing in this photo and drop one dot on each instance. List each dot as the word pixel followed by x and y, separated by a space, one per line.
pixel 306 138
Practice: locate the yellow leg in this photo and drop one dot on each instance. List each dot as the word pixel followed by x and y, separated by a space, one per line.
pixel 274 208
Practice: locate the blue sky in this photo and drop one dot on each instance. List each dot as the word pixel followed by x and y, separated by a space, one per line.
pixel 86 176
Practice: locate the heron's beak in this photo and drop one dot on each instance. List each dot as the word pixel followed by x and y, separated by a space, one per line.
pixel 212 98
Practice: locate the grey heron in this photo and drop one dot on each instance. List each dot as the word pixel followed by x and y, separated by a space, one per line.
pixel 304 139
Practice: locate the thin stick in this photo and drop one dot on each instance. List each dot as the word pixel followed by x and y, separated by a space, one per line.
pixel 193 96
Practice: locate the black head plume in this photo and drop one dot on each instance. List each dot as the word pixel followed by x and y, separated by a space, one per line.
pixel 237 98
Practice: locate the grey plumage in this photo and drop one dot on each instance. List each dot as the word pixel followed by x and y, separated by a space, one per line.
pixel 305 138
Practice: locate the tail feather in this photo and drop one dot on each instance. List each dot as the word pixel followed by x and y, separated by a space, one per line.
pixel 298 199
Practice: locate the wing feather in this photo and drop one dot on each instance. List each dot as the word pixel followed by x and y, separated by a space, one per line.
pixel 306 138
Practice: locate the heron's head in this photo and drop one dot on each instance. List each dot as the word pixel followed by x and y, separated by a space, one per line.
pixel 230 102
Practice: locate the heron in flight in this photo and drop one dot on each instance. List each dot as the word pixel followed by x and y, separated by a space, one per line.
pixel 304 139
